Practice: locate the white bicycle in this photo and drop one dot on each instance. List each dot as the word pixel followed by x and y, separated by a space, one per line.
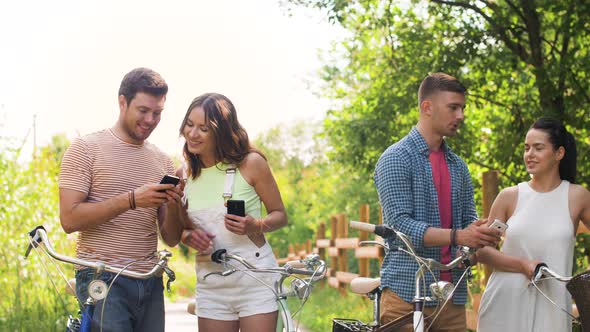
pixel 97 289
pixel 441 291
pixel 312 267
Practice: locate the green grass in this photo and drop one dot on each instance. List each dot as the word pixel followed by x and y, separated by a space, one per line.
pixel 326 303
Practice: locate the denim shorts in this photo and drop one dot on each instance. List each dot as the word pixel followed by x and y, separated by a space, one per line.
pixel 131 304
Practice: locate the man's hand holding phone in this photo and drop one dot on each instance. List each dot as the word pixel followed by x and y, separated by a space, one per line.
pixel 174 193
pixel 478 235
pixel 154 195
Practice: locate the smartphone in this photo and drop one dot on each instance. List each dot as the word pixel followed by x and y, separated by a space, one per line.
pixel 169 179
pixel 499 225
pixel 236 207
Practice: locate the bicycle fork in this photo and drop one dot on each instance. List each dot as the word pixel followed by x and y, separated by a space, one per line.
pixel 418 319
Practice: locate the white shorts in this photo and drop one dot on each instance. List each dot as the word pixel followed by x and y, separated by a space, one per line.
pixel 237 295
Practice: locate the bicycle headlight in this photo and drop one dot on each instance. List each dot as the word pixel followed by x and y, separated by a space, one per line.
pixel 441 290
pixel 300 288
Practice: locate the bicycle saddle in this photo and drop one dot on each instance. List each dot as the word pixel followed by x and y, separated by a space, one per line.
pixel 362 285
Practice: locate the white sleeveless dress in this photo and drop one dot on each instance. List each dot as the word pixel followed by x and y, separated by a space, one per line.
pixel 540 228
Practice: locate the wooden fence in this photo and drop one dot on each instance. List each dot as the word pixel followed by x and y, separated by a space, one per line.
pixel 336 249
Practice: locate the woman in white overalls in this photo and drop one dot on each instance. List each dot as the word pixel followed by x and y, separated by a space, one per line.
pixel 221 164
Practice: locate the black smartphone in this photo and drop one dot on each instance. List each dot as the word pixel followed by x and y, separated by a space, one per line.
pixel 169 179
pixel 236 207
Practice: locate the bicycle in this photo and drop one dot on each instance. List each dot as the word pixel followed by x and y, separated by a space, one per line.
pixel 97 289
pixel 370 287
pixel 311 266
pixel 578 286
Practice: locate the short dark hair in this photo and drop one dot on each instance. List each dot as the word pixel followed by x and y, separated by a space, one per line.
pixel 559 136
pixel 439 82
pixel 142 80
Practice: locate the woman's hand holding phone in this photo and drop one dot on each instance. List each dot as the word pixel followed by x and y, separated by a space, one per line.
pixel 241 225
pixel 236 220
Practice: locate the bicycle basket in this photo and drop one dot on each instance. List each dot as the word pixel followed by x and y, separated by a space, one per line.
pixel 349 325
pixel 579 287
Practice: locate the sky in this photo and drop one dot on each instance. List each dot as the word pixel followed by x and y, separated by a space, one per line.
pixel 62 62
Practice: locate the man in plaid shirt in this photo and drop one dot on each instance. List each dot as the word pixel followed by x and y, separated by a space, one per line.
pixel 426 193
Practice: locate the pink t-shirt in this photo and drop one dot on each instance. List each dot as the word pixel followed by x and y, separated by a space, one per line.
pixel 442 183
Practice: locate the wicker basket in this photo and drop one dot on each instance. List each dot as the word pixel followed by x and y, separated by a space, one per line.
pixel 349 325
pixel 579 287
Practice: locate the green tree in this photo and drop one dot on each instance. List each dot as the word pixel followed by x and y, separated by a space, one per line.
pixel 312 187
pixel 520 60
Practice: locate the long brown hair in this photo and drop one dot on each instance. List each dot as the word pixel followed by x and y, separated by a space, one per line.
pixel 232 144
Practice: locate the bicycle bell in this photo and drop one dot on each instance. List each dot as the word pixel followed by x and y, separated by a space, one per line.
pixel 97 289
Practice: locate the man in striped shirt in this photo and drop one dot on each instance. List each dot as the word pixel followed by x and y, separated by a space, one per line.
pixel 426 193
pixel 110 194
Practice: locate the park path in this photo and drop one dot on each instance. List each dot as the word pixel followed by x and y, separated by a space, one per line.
pixel 179 320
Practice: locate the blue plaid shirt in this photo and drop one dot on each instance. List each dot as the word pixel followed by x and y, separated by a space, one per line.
pixel 403 177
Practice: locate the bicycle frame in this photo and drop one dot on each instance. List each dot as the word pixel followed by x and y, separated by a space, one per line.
pixel 38 239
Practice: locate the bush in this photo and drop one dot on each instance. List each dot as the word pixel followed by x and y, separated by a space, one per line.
pixel 29 198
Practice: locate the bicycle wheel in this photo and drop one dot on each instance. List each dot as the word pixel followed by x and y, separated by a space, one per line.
pixel 350 325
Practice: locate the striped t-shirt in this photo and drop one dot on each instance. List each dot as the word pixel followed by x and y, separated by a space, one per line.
pixel 103 166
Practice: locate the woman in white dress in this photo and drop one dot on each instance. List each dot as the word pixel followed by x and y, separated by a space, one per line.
pixel 543 215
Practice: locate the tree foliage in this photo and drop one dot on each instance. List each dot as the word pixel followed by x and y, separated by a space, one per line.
pixel 312 187
pixel 520 60
pixel 29 198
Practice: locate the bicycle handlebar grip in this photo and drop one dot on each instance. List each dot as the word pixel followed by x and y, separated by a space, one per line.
pixel 362 226
pixel 33 235
pixel 34 231
pixel 537 274
pixel 217 255
pixel 382 230
pixel 296 264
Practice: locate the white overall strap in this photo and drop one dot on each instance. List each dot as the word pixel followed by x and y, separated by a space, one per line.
pixel 230 176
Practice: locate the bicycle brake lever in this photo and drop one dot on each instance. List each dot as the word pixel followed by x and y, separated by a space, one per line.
pixel 223 274
pixel 28 250
pixel 466 251
pixel 171 277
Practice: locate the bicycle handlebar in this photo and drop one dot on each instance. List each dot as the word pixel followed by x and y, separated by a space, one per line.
pixel 542 269
pixel 292 267
pixel 386 231
pixel 38 237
